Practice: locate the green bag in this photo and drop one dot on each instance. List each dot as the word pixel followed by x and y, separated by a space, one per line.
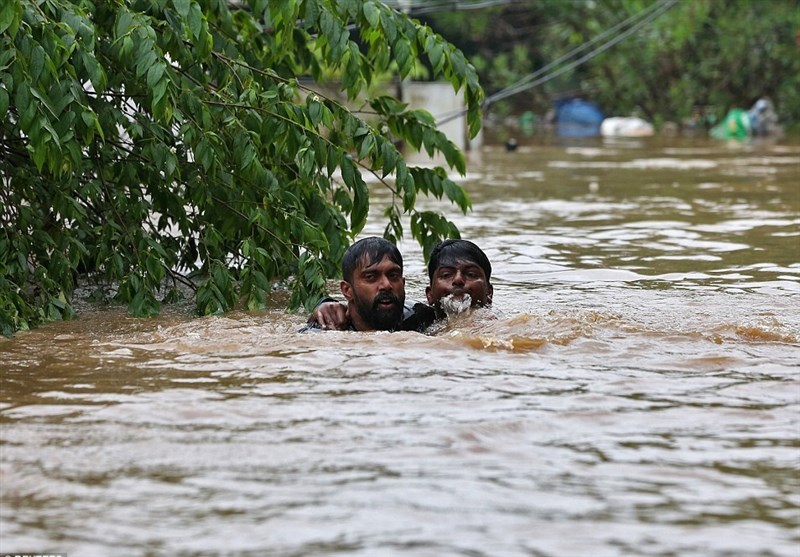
pixel 735 125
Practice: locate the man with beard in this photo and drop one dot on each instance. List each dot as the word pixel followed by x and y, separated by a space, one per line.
pixel 460 279
pixel 374 288
pixel 373 285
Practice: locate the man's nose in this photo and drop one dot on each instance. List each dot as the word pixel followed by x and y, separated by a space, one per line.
pixel 384 283
pixel 458 278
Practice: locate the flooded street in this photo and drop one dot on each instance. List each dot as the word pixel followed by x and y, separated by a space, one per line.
pixel 634 391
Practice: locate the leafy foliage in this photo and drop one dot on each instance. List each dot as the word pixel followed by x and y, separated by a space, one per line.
pixel 699 53
pixel 152 145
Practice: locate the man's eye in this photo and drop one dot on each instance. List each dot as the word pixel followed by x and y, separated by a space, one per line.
pixel 472 275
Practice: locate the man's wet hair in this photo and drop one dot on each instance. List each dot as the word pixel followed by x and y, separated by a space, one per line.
pixel 368 251
pixel 449 252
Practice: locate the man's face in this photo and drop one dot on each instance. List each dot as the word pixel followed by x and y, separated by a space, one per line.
pixel 459 278
pixel 376 295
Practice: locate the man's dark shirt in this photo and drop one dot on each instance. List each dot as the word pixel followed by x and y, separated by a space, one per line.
pixel 416 317
pixel 420 317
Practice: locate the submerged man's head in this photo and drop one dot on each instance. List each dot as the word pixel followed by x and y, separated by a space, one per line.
pixel 460 269
pixel 373 284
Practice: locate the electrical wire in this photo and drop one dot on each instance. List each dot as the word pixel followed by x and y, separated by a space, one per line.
pixel 413 9
pixel 458 6
pixel 525 83
pixel 645 16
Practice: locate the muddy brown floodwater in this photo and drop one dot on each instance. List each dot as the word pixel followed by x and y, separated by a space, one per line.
pixel 633 391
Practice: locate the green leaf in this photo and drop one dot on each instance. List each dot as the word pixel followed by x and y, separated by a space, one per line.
pixel 348 172
pixel 36 62
pixel 195 20
pixel 3 103
pixel 95 71
pixel 7 14
pixel 144 303
pixel 329 28
pixel 42 98
pixel 248 156
pixel 182 7
pixel 366 146
pixel 124 24
pixel 159 90
pixel 435 53
pixel 305 160
pixel 360 205
pixel 312 13
pixel 402 52
pixel 315 112
pixel 154 74
pixel 372 14
pixel 459 63
pixel 389 26
pixel 456 194
pixel 154 268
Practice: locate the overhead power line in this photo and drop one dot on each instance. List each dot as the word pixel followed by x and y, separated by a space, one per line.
pixel 644 17
pixel 415 8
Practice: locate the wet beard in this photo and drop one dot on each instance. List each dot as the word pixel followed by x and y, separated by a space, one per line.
pixel 378 317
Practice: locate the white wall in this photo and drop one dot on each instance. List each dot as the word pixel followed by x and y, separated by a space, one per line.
pixel 440 100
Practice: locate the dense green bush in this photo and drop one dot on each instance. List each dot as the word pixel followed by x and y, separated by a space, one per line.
pixel 149 146
pixel 708 54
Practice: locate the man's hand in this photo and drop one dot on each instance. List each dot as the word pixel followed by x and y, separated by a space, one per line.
pixel 330 315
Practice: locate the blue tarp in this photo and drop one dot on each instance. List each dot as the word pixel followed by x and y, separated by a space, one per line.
pixel 577 117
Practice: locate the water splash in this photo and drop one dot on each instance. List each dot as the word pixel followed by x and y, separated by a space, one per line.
pixel 453 307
